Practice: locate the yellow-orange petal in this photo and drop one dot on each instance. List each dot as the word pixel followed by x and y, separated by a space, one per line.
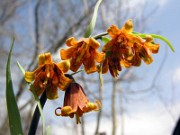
pixel 108 46
pixel 67 54
pixel 64 82
pixel 154 48
pixel 65 111
pixel 105 66
pixel 39 84
pixel 64 65
pixel 99 57
pixel 74 66
pixel 29 76
pixel 93 43
pixel 125 64
pixel 145 54
pixel 128 26
pixel 136 61
pixel 92 106
pixel 51 92
pixel 89 65
pixel 71 42
pixel 148 60
pixel 113 31
pixel 45 58
pixel 149 38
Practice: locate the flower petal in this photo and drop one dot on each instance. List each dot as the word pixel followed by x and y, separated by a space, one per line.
pixel 99 56
pixel 125 64
pixel 66 111
pixel 51 92
pixel 145 54
pixel 93 43
pixel 39 84
pixel 29 76
pixel 154 48
pixel 128 26
pixel 108 46
pixel 64 65
pixel 105 66
pixel 89 65
pixel 71 42
pixel 67 54
pixel 45 58
pixel 92 106
pixel 113 31
pixel 74 66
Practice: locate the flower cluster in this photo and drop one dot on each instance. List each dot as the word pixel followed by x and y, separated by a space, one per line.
pixel 124 49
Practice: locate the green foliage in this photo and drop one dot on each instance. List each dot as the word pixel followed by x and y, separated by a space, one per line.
pixel 91 26
pixel 12 108
pixel 158 37
pixel 37 100
pixel 163 39
pixel 105 39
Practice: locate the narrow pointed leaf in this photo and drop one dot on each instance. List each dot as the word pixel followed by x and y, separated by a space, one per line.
pixel 105 39
pixel 158 37
pixel 21 68
pixel 37 100
pixel 91 26
pixel 164 39
pixel 12 108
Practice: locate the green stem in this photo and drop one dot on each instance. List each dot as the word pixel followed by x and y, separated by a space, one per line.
pixel 100 35
pixel 36 116
pixel 77 72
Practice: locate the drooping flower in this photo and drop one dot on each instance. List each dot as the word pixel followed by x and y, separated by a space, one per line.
pixel 48 76
pixel 76 103
pixel 83 52
pixel 126 49
pixel 119 48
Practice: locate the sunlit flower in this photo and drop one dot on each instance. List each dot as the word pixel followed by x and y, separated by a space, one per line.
pixel 143 49
pixel 48 76
pixel 126 49
pixel 119 48
pixel 76 103
pixel 83 52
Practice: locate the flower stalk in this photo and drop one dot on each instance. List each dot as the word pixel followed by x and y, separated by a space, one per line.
pixel 36 115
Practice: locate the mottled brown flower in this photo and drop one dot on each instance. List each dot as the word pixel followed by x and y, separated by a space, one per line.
pixel 83 52
pixel 48 76
pixel 76 103
pixel 126 49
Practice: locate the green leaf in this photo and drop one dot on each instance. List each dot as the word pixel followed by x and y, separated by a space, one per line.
pixel 164 39
pixel 21 68
pixel 91 26
pixel 40 109
pixel 12 108
pixel 48 130
pixel 37 100
pixel 105 39
pixel 158 37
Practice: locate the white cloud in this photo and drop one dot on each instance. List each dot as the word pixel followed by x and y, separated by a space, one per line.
pixel 154 122
pixel 162 3
pixel 176 76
